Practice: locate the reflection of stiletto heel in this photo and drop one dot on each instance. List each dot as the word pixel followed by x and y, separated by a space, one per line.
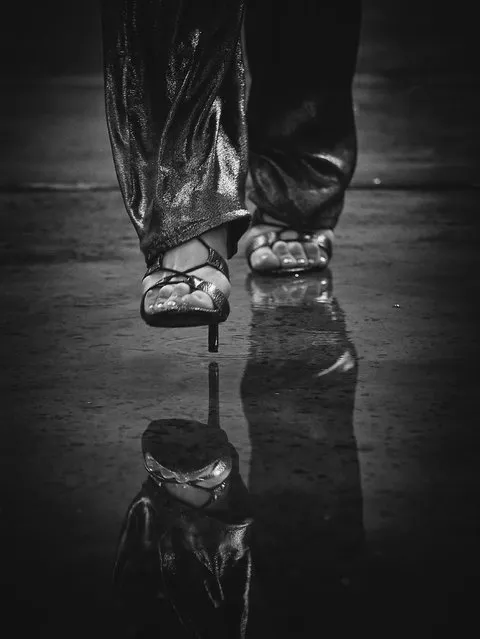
pixel 213 395
pixel 188 315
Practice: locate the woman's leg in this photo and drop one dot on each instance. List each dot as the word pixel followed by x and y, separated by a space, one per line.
pixel 300 117
pixel 175 104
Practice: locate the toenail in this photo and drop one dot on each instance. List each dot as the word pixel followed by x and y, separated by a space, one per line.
pixel 264 258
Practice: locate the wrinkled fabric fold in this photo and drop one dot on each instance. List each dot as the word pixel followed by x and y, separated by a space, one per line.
pixel 175 106
pixel 301 127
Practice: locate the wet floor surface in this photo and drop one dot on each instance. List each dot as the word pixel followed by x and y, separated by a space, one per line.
pixel 339 415
pixel 347 399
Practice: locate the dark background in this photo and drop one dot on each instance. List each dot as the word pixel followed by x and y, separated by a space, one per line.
pixel 56 37
pixel 418 60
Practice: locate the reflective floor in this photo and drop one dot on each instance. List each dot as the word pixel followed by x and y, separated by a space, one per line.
pixel 319 475
pixel 341 407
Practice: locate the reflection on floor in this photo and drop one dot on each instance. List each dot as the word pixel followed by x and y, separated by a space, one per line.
pixel 184 546
pixel 238 563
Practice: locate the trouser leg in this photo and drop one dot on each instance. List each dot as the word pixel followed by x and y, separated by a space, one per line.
pixel 302 137
pixel 175 106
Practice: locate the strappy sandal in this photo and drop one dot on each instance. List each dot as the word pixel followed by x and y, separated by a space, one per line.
pixel 191 315
pixel 269 238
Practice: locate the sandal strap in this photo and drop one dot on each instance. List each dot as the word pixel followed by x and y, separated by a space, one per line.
pixel 319 238
pixel 214 259
pixel 165 280
pixel 220 302
pixel 156 266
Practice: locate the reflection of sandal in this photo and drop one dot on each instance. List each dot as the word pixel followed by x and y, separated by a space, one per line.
pixel 190 315
pixel 302 290
pixel 174 545
pixel 189 460
pixel 201 496
pixel 305 302
pixel 269 238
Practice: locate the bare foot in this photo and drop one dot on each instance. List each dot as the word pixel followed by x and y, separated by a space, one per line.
pixel 183 257
pixel 286 253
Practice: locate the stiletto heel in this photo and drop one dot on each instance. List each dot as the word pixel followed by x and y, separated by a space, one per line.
pixel 213 338
pixel 191 315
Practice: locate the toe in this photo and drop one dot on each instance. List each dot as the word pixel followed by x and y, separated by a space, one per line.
pixel 165 292
pixel 179 290
pixel 150 299
pixel 161 302
pixel 323 261
pixel 263 259
pixel 198 299
pixel 296 251
pixel 312 252
pixel 156 298
pixel 165 297
pixel 281 250
pixel 316 255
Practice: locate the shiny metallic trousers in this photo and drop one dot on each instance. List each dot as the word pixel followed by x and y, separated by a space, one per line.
pixel 182 137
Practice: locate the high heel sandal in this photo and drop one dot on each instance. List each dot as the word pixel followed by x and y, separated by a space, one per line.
pixel 191 315
pixel 269 238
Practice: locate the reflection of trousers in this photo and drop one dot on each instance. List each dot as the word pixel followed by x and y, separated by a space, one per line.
pixel 176 112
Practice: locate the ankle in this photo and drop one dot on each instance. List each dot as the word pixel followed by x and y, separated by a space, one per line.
pixel 194 251
pixel 217 238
